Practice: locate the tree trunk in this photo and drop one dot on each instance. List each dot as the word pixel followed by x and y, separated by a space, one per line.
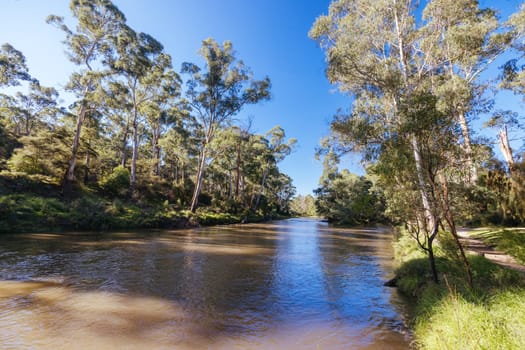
pixel 238 170
pixel 429 218
pixel 432 260
pixel 156 152
pixel 198 180
pixel 452 226
pixel 70 173
pixel 86 169
pixel 257 200
pixel 473 171
pixel 124 157
pixel 431 222
pixel 134 156
pixel 504 146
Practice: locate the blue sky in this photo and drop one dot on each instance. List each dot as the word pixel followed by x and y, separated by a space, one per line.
pixel 270 36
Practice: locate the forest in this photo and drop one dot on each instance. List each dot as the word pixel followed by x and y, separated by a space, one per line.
pixel 139 136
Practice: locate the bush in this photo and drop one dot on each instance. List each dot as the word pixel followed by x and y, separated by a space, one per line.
pixel 116 183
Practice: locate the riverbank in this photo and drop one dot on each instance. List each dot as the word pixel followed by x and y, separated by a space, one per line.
pixel 28 204
pixel 450 315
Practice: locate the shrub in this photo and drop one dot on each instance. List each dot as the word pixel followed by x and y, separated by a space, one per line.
pixel 116 183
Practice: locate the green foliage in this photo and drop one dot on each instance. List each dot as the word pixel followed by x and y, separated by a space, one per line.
pixel 216 95
pixel 345 198
pixel 116 183
pixel 8 144
pixel 207 218
pixel 25 212
pixel 45 153
pixel 505 195
pixel 128 113
pixel 303 206
pixel 12 66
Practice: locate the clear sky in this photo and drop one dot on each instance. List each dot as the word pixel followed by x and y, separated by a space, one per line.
pixel 270 36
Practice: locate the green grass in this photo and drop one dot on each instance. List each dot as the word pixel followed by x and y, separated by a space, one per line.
pixel 508 240
pixel 458 323
pixel 449 315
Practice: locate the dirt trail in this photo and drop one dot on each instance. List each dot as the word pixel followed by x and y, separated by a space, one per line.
pixel 477 246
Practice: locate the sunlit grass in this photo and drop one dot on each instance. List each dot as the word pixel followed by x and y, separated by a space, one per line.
pixel 457 323
pixel 450 315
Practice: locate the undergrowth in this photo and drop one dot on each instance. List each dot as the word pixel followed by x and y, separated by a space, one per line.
pixel 449 315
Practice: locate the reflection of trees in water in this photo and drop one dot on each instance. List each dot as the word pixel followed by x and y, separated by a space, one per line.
pixel 240 281
pixel 354 264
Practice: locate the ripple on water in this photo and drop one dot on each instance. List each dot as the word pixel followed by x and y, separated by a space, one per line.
pixel 296 284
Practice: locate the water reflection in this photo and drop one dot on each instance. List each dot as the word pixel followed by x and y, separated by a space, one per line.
pixel 289 284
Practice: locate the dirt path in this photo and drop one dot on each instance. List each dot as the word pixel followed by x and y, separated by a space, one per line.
pixel 477 246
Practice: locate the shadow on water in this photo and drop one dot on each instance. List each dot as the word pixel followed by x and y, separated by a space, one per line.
pixel 288 284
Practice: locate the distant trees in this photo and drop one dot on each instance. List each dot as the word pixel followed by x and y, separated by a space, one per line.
pixel 134 131
pixel 303 205
pixel 348 199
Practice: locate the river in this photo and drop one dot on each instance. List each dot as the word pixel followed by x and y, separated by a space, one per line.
pixel 292 284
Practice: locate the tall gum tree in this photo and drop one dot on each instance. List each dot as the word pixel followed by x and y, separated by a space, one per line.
pixel 276 150
pixel 28 112
pixel 374 52
pixel 461 40
pixel 216 95
pixel 99 22
pixel 147 82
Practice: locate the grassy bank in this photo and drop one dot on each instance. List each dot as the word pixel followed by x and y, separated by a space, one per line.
pixel 508 240
pixel 29 204
pixel 452 316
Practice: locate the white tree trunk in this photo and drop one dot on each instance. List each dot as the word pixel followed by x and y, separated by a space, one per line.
pixel 70 175
pixel 473 171
pixel 504 146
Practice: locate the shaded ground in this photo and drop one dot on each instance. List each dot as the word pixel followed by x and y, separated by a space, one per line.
pixel 477 246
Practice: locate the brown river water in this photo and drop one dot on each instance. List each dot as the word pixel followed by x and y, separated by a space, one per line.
pixel 293 284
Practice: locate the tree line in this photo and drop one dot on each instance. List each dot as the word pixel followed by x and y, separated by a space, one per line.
pixel 136 128
pixel 415 74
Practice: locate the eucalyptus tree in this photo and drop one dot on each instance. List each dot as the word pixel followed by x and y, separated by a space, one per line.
pixel 280 193
pixel 147 82
pixel 162 112
pixel 350 199
pixel 216 94
pixel 117 119
pixel 99 22
pixel 460 41
pixel 277 149
pixel 227 151
pixel 514 70
pixel 513 78
pixel 374 51
pixel 178 150
pixel 13 67
pixel 26 112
